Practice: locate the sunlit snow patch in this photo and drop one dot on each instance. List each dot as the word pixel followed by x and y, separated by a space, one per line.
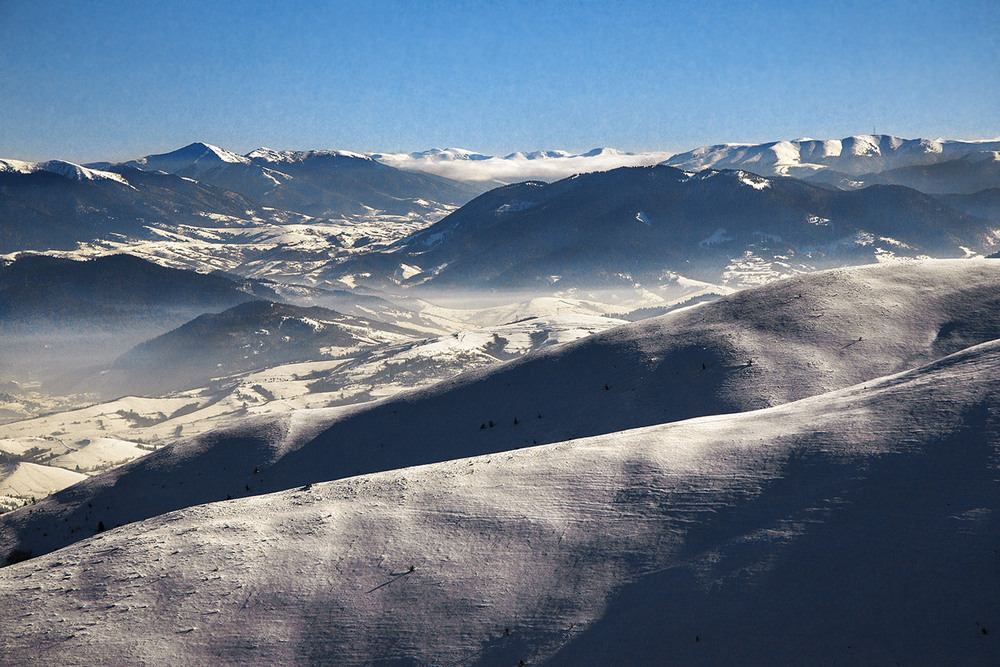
pixel 408 271
pixel 754 181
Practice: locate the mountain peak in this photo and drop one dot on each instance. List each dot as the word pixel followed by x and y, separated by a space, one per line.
pixel 603 152
pixel 194 158
pixel 202 151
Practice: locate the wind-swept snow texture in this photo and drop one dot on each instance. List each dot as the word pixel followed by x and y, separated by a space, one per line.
pixel 856 527
pixel 754 349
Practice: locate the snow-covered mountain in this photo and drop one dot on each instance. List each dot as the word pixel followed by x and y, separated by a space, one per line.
pixel 42 209
pixel 857 526
pixel 968 174
pixel 62 168
pixel 325 184
pixel 757 348
pixel 38 289
pixel 250 336
pixel 192 160
pixel 806 158
pixel 552 165
pixel 633 226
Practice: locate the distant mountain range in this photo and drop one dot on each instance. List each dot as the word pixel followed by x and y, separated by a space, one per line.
pixel 44 210
pixel 969 174
pixel 324 184
pixel 805 158
pixel 56 205
pixel 617 227
pixel 631 225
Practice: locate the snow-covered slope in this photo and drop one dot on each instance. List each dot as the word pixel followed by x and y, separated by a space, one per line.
pixel 464 165
pixel 31 479
pixel 339 377
pixel 192 160
pixel 803 158
pixel 34 467
pixel 250 336
pixel 326 184
pixel 969 174
pixel 858 527
pixel 68 170
pixel 757 348
pixel 639 226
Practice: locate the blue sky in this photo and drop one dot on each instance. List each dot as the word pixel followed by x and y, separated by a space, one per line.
pixel 113 80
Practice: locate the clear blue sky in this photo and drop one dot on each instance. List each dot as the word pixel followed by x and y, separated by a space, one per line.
pixel 112 80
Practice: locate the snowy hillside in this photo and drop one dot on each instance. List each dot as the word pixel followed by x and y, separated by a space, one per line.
pixel 642 226
pixel 757 348
pixel 804 158
pixel 325 184
pixel 250 336
pixel 857 527
pixel 141 424
pixel 968 174
pixel 68 170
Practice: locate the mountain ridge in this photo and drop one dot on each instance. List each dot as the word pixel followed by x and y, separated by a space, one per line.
pixel 714 539
pixel 628 225
pixel 757 348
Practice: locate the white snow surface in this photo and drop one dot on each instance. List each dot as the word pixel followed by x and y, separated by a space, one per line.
pixel 31 479
pixel 271 155
pixel 96 453
pixel 69 170
pixel 854 527
pixel 196 158
pixel 800 337
pixel 858 154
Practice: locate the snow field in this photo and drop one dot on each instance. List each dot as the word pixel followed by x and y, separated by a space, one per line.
pixel 533 554
pixel 757 348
